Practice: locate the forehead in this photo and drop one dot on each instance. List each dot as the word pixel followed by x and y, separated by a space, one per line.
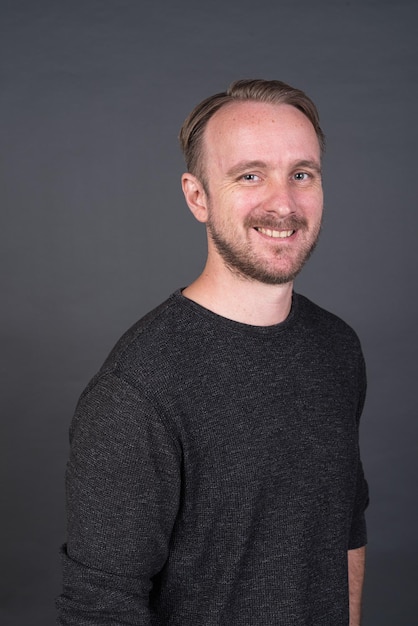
pixel 260 127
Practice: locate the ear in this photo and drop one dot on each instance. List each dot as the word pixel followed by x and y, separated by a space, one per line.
pixel 196 197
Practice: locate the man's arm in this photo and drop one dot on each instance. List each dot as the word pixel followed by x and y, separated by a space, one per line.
pixel 356 565
pixel 122 498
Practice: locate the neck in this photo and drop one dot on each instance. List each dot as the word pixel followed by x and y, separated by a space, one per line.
pixel 240 299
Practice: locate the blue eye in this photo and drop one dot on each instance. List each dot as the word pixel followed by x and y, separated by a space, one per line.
pixel 301 176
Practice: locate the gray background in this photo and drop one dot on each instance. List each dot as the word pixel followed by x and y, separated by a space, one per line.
pixel 95 232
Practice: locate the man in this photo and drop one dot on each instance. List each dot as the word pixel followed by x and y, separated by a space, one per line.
pixel 214 475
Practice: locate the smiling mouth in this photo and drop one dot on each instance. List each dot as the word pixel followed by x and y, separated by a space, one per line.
pixel 276 234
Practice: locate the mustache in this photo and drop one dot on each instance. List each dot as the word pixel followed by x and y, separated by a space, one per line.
pixel 293 222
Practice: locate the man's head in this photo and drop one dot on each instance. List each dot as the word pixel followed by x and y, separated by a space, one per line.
pixel 256 90
pixel 255 179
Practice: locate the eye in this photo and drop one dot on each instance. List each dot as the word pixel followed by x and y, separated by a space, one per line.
pixel 250 177
pixel 301 176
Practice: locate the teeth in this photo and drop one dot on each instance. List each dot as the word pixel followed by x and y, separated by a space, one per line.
pixel 280 234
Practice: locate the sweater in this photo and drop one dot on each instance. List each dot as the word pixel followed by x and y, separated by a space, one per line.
pixel 214 476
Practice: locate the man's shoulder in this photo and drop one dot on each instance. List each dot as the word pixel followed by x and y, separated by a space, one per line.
pixel 322 320
pixel 150 334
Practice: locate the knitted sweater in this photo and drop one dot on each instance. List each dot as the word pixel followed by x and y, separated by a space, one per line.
pixel 214 475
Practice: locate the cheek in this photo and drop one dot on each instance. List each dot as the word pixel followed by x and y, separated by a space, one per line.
pixel 236 204
pixel 312 203
pixel 245 201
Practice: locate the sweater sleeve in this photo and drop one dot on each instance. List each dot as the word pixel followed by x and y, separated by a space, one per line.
pixel 358 531
pixel 123 486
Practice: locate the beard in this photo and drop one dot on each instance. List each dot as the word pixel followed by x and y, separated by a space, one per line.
pixel 244 262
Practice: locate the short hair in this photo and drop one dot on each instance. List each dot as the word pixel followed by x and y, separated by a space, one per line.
pixel 257 90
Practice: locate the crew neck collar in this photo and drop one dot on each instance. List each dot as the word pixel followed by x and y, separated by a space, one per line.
pixel 233 325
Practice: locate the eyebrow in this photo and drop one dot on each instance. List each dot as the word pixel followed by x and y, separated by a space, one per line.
pixel 249 165
pixel 312 165
pixel 246 165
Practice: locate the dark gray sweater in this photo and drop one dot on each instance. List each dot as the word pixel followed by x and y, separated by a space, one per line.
pixel 214 476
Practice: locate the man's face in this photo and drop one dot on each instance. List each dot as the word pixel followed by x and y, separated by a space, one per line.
pixel 264 202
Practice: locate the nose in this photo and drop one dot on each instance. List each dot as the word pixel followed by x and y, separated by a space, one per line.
pixel 280 198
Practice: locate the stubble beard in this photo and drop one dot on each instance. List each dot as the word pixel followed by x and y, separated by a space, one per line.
pixel 246 264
